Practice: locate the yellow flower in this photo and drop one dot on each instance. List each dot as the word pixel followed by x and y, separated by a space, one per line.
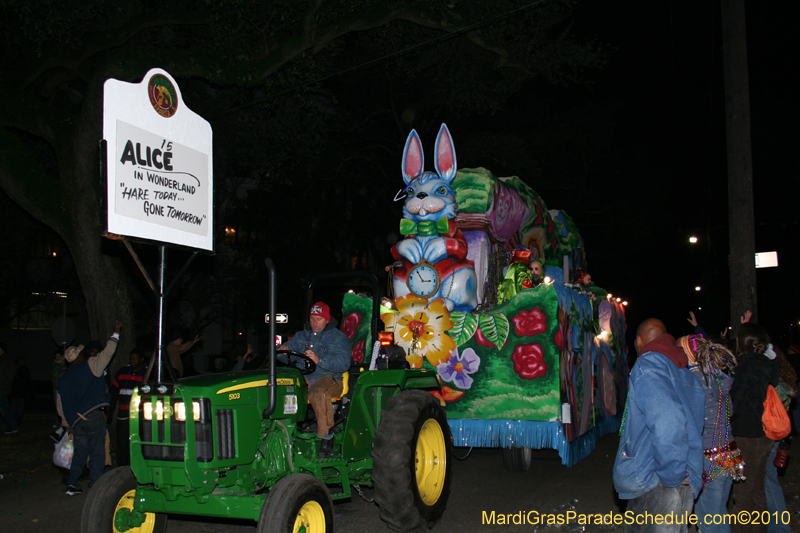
pixel 420 328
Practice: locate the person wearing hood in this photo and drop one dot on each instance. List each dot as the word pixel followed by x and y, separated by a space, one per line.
pixel 712 364
pixel 659 462
pixel 330 349
pixel 755 371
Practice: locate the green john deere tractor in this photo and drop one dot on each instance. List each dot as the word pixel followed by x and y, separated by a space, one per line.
pixel 234 446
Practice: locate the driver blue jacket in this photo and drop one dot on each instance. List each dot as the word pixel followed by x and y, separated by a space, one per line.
pixel 331 346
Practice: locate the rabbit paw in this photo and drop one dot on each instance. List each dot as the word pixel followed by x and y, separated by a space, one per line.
pixel 411 250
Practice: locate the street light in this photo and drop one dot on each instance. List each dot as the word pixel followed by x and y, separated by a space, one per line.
pixel 698 288
pixel 693 239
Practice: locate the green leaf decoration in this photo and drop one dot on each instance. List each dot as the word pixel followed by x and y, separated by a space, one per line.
pixel 494 327
pixel 464 327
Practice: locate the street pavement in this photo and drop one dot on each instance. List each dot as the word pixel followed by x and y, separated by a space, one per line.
pixel 32 492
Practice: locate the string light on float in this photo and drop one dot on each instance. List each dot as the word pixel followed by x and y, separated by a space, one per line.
pixel 547 279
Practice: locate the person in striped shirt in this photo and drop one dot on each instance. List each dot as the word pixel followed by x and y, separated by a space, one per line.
pixel 128 378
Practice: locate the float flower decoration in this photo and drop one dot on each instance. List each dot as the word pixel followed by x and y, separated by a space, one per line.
pixel 458 368
pixel 358 352
pixel 350 325
pixel 447 395
pixel 420 327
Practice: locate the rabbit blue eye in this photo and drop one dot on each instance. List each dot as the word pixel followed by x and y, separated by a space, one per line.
pixel 441 190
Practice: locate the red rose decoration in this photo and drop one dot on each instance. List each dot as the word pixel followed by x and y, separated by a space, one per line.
pixel 350 325
pixel 529 361
pixel 530 323
pixel 481 340
pixel 358 352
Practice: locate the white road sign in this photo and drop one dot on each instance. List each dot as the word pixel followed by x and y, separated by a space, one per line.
pixel 280 318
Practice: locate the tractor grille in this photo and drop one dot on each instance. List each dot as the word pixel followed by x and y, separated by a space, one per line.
pixel 162 445
pixel 226 444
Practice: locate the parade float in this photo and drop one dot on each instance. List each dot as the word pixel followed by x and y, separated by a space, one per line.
pixel 491 290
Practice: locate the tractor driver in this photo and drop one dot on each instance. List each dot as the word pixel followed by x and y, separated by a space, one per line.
pixel 330 349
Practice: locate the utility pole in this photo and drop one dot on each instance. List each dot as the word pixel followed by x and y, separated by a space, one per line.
pixel 741 220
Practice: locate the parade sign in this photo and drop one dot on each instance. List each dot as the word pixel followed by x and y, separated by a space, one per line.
pixel 159 162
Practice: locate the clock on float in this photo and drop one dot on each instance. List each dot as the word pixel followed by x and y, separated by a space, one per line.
pixel 423 279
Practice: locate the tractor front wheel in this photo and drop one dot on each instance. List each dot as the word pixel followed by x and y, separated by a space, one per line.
pixel 113 495
pixel 297 503
pixel 411 467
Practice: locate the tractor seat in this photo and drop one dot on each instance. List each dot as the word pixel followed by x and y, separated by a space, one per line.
pixel 345 386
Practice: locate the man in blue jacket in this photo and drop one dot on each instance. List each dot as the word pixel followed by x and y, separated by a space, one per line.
pixel 659 463
pixel 330 349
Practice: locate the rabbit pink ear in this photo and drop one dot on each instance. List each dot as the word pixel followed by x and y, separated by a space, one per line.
pixel 445 156
pixel 413 158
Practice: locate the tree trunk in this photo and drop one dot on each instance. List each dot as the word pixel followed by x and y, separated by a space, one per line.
pixel 102 278
pixel 741 219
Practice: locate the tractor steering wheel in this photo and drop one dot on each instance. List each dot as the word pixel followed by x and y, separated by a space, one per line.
pixel 310 365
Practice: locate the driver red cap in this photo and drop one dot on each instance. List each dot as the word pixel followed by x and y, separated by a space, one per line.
pixel 321 309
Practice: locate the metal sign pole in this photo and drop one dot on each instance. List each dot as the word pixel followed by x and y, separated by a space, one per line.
pixel 161 276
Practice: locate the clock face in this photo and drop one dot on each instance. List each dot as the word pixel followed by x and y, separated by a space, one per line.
pixel 423 280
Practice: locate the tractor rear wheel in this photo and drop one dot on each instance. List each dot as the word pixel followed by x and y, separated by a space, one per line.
pixel 297 503
pixel 114 493
pixel 411 467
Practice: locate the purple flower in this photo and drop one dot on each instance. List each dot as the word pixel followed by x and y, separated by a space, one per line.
pixel 458 368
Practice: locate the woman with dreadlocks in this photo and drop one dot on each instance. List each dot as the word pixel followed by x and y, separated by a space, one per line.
pixel 755 371
pixel 712 364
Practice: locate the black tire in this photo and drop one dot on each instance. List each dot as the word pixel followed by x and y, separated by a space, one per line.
pixel 298 496
pixel 111 492
pixel 397 451
pixel 517 459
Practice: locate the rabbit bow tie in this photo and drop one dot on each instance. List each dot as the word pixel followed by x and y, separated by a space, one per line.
pixel 426 227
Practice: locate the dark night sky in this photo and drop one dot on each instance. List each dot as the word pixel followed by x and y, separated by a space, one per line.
pixel 666 76
pixel 659 170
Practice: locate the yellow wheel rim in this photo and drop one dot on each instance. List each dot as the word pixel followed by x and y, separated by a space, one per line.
pixel 126 502
pixel 310 519
pixel 431 461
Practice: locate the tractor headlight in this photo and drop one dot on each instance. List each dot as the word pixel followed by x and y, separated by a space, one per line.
pixel 180 411
pixel 136 400
pixel 159 410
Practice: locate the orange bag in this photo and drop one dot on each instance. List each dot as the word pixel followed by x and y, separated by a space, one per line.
pixel 777 425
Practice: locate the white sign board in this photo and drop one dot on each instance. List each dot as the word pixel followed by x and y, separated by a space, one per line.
pixel 280 318
pixel 159 163
pixel 766 259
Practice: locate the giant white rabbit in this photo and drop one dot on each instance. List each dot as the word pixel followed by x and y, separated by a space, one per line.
pixel 432 240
